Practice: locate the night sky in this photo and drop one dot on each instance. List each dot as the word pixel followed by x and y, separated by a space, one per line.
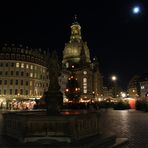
pixel 118 37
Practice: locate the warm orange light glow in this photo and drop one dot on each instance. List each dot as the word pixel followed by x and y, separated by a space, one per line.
pixel 67 90
pixel 70 112
pixel 114 78
pixel 132 103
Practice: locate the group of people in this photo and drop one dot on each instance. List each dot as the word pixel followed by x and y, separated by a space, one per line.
pixel 17 105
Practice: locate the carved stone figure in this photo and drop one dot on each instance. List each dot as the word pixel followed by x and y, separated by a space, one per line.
pixel 54 96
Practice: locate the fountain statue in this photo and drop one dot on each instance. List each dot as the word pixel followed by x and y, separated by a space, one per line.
pixel 54 96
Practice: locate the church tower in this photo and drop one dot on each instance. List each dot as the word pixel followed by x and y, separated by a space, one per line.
pixel 73 49
pixel 75 31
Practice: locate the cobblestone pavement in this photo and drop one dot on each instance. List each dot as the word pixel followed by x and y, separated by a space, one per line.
pixel 129 124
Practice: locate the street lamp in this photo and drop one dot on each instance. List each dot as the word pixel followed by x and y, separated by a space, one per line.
pixel 123 94
pixel 114 79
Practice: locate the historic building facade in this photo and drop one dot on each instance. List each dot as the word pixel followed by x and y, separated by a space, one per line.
pixel 23 73
pixel 144 86
pixel 76 59
pixel 134 87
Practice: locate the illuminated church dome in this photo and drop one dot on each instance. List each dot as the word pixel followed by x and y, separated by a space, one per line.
pixel 76 59
pixel 74 48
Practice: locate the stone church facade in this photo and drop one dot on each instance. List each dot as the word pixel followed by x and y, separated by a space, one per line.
pixel 76 59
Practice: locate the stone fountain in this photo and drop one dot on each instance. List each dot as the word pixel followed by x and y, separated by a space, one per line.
pixel 56 127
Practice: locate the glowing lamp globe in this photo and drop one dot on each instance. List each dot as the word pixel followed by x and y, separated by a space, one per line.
pixel 136 10
pixel 114 78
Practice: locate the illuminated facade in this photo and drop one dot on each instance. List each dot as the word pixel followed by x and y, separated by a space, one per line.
pixel 23 73
pixel 133 87
pixel 73 50
pixel 76 58
pixel 144 85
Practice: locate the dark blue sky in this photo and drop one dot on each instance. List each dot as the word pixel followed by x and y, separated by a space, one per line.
pixel 113 33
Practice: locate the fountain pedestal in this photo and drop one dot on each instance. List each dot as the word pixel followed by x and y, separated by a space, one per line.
pixel 65 127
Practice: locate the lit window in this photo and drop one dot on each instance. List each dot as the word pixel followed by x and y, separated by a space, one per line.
pixel 30 83
pixel 31 67
pixel 84 72
pixel 22 65
pixel 27 66
pixel 31 74
pixel 35 75
pixel 85 85
pixel 67 65
pixel 17 64
pixel 84 80
pixel 30 92
pixel 142 87
pixel 85 91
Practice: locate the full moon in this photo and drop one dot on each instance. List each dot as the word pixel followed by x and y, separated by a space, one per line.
pixel 136 9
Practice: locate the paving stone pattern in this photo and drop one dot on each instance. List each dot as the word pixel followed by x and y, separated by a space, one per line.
pixel 129 124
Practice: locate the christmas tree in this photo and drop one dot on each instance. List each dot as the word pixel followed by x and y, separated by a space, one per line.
pixel 72 91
